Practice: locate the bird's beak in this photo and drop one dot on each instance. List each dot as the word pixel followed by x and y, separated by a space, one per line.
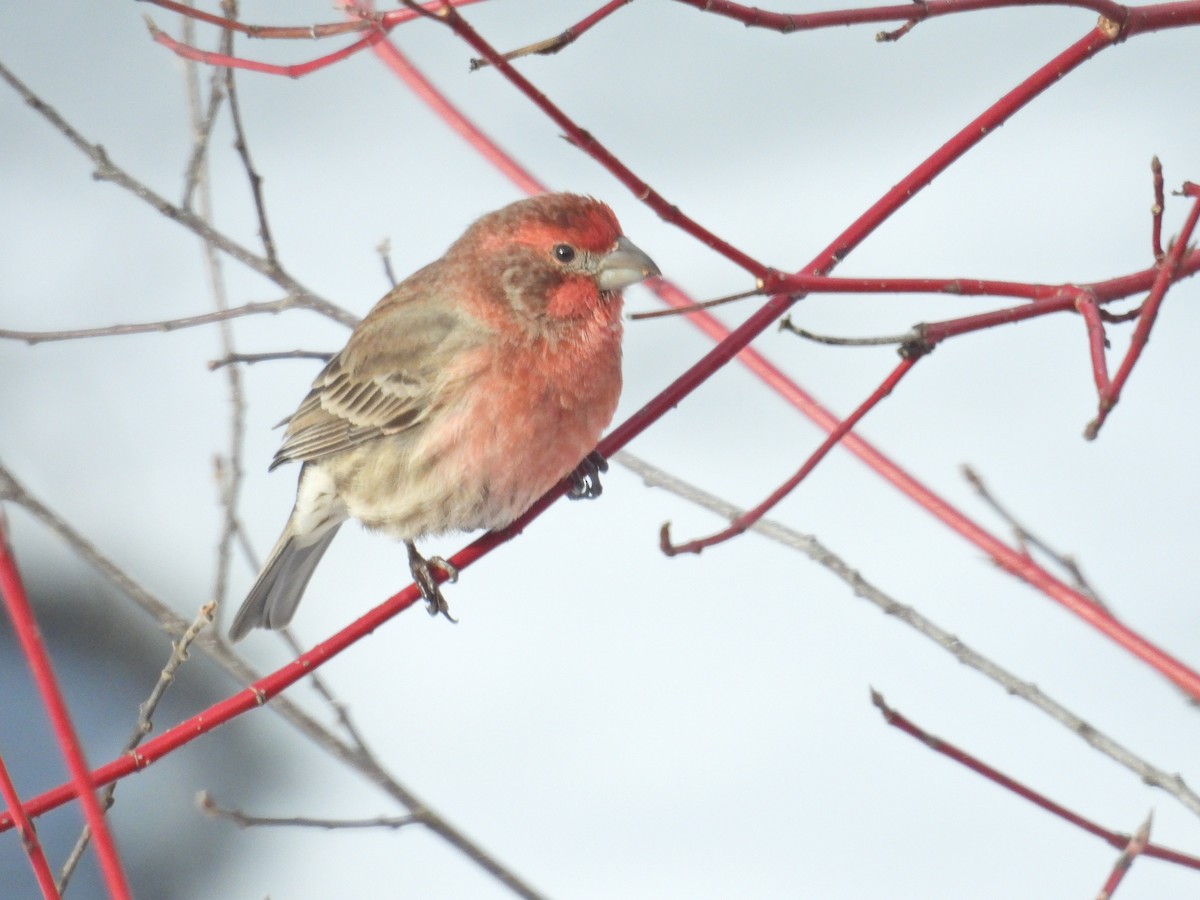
pixel 624 266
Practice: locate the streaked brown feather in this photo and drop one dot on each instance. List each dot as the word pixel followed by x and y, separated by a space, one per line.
pixel 380 384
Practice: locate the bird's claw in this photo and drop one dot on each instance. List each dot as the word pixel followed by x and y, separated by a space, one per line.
pixel 585 480
pixel 422 573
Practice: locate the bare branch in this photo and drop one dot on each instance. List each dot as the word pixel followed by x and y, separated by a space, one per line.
pixel 106 170
pixel 786 324
pixel 814 550
pixel 143 726
pixel 230 359
pixel 209 806
pixel 1027 538
pixel 250 309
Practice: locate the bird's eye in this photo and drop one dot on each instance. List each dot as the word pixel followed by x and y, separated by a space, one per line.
pixel 564 253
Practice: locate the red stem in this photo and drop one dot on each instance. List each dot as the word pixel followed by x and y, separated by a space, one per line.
pixel 598 151
pixel 1159 16
pixel 1168 273
pixel 1061 298
pixel 1097 342
pixel 591 20
pixel 752 17
pixel 1156 211
pixel 452 116
pixel 934 742
pixel 29 838
pixel 224 60
pixel 25 626
pixel 379 26
pixel 747 519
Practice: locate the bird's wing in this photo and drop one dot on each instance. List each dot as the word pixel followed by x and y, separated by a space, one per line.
pixel 388 379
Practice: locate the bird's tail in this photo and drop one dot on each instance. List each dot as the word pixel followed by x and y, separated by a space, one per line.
pixel 272 601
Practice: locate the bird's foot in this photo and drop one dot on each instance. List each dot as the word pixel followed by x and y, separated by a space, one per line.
pixel 422 573
pixel 585 480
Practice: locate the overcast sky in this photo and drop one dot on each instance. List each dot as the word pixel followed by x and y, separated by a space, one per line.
pixel 604 720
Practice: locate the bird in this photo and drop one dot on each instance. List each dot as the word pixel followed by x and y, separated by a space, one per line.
pixel 471 389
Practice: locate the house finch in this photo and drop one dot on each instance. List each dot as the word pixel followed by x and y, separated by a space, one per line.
pixel 471 389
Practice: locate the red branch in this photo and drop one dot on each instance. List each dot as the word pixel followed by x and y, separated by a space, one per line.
pixel 1122 21
pixel 1168 273
pixel 1156 211
pixel 917 11
pixel 1085 304
pixel 25 626
pixel 29 838
pixel 597 151
pixel 749 518
pixel 1120 841
pixel 379 24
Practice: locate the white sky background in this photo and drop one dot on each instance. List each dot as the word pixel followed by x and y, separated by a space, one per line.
pixel 605 721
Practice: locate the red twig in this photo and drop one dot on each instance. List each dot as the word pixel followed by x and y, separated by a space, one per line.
pixel 25 626
pixel 1156 211
pixel 896 33
pixel 1133 849
pixel 747 519
pixel 1168 273
pixel 1120 841
pixel 1060 298
pixel 593 148
pixel 452 116
pixel 1159 16
pixel 277 32
pixel 29 838
pixel 787 23
pixel 1085 303
pixel 379 25
pixel 208 57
